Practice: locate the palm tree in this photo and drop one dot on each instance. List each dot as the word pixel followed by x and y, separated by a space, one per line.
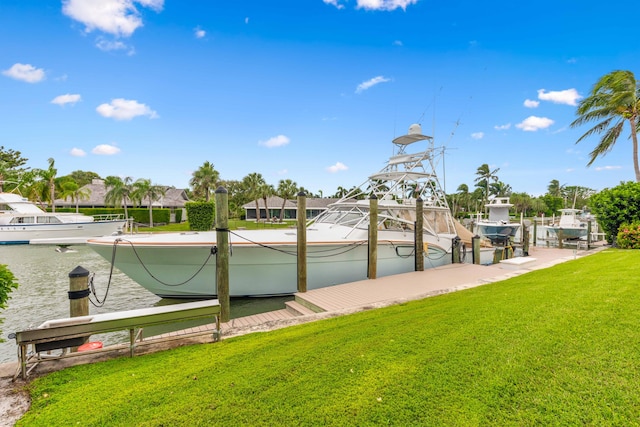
pixel 71 190
pixel 118 191
pixel 205 180
pixel 555 189
pixel 484 176
pixel 500 189
pixel 144 189
pixel 461 198
pixel 340 192
pixel 614 99
pixel 252 184
pixel 266 191
pixel 286 189
pixel 48 177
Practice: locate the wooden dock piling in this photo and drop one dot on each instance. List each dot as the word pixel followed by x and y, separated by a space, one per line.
pixel 302 241
pixel 419 235
pixel 222 256
pixel 372 264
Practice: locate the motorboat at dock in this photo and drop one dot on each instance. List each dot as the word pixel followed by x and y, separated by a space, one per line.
pixel 569 227
pixel 22 222
pixel 264 262
pixel 498 227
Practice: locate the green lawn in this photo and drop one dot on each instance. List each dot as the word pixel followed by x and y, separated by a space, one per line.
pixel 559 346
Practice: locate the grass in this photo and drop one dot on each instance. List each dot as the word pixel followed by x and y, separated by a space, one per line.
pixel 559 346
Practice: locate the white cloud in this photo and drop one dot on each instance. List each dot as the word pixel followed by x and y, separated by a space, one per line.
pixel 337 167
pixel 118 17
pixel 111 45
pixel 568 96
pixel 125 109
pixel 77 152
pixel 370 83
pixel 533 123
pixel 25 72
pixel 246 20
pixel 199 33
pixel 66 99
pixel 477 135
pixel 502 127
pixel 608 168
pixel 276 141
pixel 397 43
pixel 105 150
pixel 530 103
pixel 384 4
pixel 335 3
pixel 282 172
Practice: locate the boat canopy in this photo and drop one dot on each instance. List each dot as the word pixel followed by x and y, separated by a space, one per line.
pixel 18 204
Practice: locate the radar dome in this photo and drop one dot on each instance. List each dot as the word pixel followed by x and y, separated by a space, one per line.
pixel 415 129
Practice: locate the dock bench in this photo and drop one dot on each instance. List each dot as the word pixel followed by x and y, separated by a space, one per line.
pixel 72 331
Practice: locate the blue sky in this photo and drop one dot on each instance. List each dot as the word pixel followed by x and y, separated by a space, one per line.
pixel 310 90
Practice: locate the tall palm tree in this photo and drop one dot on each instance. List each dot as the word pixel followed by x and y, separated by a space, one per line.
pixel 252 184
pixel 119 192
pixel 48 177
pixel 144 189
pixel 614 99
pixel 555 189
pixel 266 191
pixel 71 190
pixel 205 180
pixel 286 189
pixel 485 174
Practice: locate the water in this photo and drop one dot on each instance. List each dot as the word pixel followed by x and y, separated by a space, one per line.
pixel 43 277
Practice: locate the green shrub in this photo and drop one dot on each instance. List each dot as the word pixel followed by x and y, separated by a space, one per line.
pixel 200 215
pixel 7 284
pixel 629 236
pixel 616 206
pixel 178 216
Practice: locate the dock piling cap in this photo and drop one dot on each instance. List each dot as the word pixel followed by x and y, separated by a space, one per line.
pixel 79 271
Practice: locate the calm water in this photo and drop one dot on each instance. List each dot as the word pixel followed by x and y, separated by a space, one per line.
pixel 43 277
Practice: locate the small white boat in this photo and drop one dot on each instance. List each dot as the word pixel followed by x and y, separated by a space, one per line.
pixel 497 228
pixel 264 262
pixel 22 222
pixel 569 227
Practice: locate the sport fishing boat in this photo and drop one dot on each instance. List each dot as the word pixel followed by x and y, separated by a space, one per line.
pixel 264 262
pixel 498 228
pixel 22 222
pixel 569 227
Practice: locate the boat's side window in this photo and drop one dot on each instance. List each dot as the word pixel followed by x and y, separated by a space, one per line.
pixel 48 220
pixel 22 220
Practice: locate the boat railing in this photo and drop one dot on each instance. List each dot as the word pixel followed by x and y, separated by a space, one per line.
pixel 108 217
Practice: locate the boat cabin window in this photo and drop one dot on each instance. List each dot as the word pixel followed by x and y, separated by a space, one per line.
pixel 48 220
pixel 22 220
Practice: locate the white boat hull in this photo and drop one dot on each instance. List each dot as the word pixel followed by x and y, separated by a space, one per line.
pixel 188 269
pixel 568 233
pixel 64 233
